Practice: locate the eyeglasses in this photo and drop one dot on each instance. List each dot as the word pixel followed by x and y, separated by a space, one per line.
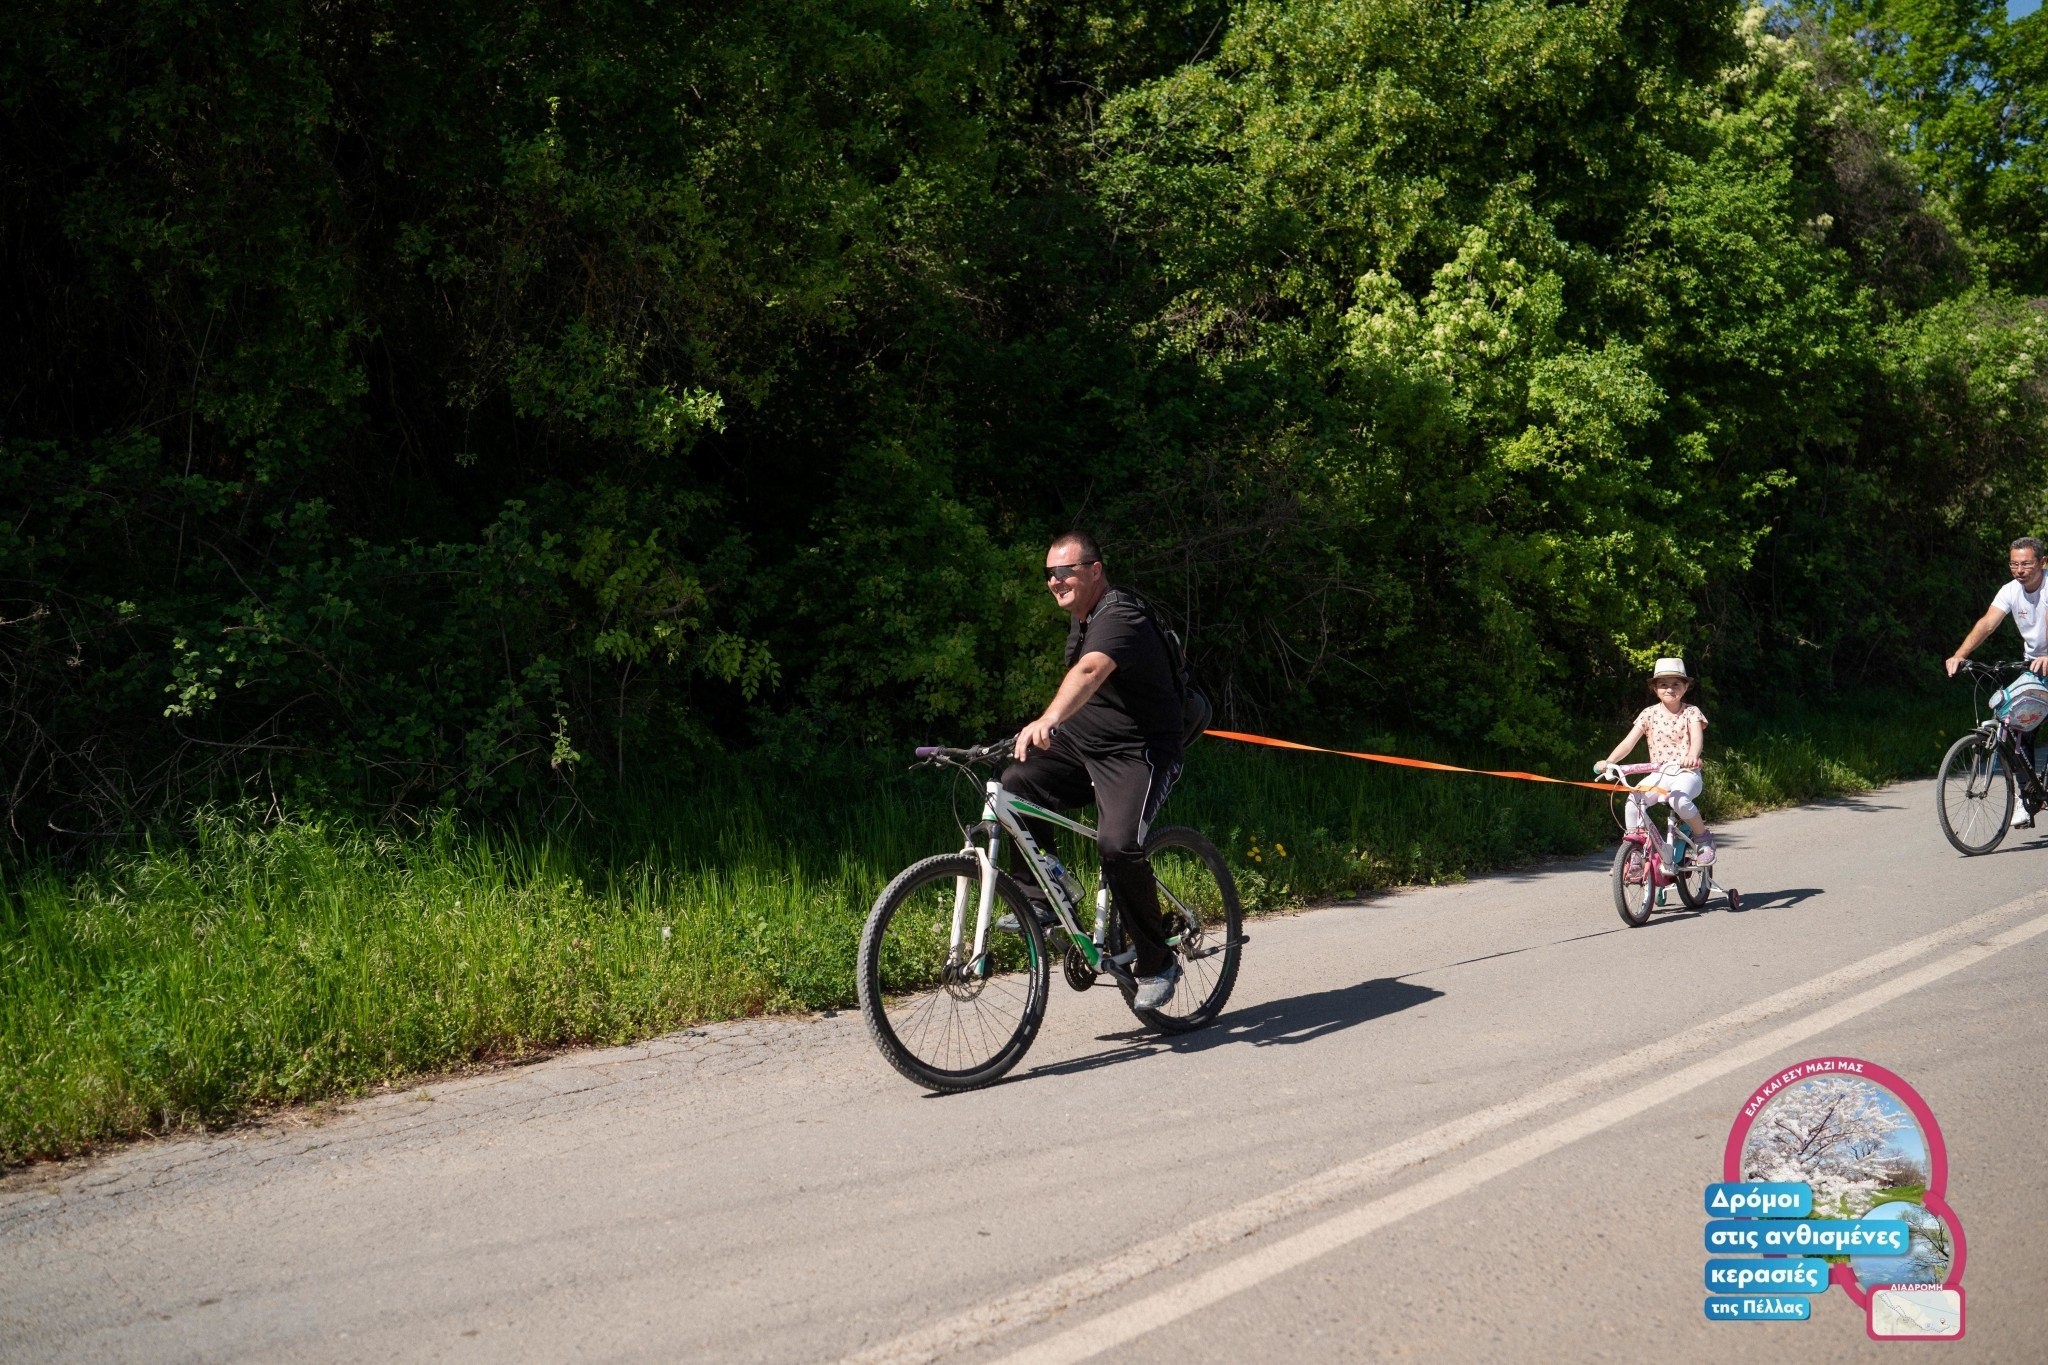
pixel 1060 573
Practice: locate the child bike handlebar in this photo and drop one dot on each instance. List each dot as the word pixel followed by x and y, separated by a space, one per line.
pixel 1624 770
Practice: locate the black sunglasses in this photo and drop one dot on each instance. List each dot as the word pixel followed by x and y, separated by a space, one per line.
pixel 1060 573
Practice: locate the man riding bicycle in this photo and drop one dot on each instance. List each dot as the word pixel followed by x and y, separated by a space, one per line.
pixel 1112 735
pixel 2024 601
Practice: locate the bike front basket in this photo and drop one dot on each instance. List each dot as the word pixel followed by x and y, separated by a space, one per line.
pixel 2021 703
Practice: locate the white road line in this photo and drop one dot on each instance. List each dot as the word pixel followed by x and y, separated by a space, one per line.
pixel 1177 1301
pixel 985 1322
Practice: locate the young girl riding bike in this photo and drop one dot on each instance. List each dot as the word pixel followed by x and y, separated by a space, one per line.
pixel 1675 731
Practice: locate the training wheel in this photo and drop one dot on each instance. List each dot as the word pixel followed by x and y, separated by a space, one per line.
pixel 1734 899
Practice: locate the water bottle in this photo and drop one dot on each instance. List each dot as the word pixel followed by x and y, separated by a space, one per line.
pixel 1066 881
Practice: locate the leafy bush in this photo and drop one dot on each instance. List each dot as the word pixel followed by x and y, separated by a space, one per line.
pixel 471 407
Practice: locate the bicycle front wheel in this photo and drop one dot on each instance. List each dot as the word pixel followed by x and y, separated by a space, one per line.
pixel 1204 924
pixel 1973 794
pixel 1634 898
pixel 945 1017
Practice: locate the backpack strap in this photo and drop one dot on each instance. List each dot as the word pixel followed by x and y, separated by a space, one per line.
pixel 1176 653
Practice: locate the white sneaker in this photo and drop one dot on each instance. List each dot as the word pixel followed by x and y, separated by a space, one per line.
pixel 1155 991
pixel 2024 819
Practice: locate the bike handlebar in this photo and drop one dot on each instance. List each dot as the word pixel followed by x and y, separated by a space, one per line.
pixel 1991 670
pixel 991 752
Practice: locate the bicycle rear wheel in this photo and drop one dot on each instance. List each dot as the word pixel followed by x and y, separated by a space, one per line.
pixel 1204 924
pixel 1634 898
pixel 1973 795
pixel 944 1018
pixel 1690 881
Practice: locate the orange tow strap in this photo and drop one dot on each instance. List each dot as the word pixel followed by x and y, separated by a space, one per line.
pixel 1413 762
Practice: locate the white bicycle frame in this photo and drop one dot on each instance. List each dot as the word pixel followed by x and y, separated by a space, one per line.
pixel 1007 813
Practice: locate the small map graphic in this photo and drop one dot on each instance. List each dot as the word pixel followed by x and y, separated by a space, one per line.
pixel 1916 1313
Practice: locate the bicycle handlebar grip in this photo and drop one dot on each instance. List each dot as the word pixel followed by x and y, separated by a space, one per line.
pixel 926 750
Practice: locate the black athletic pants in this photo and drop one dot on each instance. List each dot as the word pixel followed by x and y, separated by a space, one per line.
pixel 1127 788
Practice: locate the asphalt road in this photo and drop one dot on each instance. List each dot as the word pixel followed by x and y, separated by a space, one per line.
pixel 1472 1123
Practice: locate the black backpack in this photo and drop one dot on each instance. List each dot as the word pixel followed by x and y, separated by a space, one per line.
pixel 1196 711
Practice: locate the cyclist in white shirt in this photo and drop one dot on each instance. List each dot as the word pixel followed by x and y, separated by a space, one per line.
pixel 2025 600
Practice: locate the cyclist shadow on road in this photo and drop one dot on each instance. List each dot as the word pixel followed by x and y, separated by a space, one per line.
pixel 1774 900
pixel 1717 904
pixel 1269 1023
pixel 2032 845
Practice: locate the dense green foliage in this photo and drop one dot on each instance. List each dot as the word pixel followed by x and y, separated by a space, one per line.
pixel 254 962
pixel 1959 92
pixel 479 403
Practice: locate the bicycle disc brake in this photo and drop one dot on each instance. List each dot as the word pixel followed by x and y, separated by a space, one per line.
pixel 965 980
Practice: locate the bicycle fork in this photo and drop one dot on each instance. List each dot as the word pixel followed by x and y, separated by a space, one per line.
pixel 984 903
pixel 1659 857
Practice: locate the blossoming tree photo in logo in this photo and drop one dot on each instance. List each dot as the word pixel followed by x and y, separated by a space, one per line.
pixel 1852 1141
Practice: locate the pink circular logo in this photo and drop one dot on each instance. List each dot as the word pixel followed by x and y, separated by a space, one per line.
pixel 1869 1147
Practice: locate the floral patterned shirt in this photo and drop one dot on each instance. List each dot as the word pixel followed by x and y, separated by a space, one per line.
pixel 1667 731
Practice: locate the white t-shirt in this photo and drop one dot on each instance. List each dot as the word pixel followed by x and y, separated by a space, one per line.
pixel 2029 611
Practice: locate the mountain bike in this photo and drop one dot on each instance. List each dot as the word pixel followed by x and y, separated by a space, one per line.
pixel 1650 860
pixel 954 967
pixel 1985 771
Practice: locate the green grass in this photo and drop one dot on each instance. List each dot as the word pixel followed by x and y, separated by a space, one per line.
pixel 242 965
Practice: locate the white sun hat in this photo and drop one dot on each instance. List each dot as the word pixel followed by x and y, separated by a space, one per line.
pixel 1670 668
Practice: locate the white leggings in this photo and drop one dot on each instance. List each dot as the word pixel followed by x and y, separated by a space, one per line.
pixel 1679 791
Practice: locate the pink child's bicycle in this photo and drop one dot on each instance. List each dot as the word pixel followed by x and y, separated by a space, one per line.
pixel 1650 860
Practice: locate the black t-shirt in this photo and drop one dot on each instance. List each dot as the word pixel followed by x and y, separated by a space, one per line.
pixel 1140 701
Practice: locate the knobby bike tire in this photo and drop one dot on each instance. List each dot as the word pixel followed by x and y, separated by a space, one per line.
pixel 1633 901
pixel 1209 954
pixel 1973 794
pixel 927 1013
